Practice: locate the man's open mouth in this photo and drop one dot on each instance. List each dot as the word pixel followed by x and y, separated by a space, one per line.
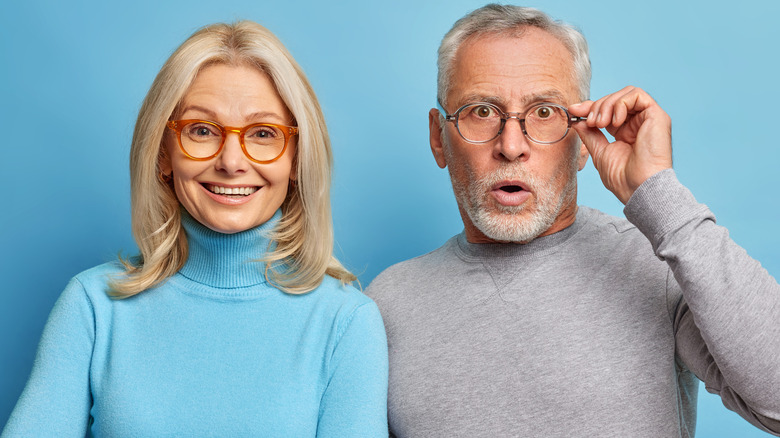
pixel 511 188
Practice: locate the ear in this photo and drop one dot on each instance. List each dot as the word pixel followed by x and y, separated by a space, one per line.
pixel 164 162
pixel 583 159
pixel 294 167
pixel 434 128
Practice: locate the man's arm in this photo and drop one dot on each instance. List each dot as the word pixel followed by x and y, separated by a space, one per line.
pixel 729 322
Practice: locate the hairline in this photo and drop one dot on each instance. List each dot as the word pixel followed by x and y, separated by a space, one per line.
pixel 495 20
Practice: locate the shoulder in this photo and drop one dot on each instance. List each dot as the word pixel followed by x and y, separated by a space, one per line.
pixel 349 310
pixel 85 298
pixel 614 242
pixel 418 283
pixel 424 266
pixel 92 284
pixel 343 301
pixel 100 274
pixel 600 226
pixel 333 290
pixel 598 220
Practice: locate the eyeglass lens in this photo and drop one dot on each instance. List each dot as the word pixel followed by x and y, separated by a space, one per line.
pixel 481 122
pixel 203 139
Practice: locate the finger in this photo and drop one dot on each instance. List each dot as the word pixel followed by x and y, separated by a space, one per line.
pixel 633 102
pixel 580 109
pixel 594 116
pixel 631 112
pixel 620 113
pixel 605 115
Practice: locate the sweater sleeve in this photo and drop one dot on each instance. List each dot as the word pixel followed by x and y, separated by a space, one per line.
pixel 728 321
pixel 355 401
pixel 56 400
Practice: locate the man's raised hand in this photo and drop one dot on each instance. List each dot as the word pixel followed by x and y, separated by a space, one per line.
pixel 643 138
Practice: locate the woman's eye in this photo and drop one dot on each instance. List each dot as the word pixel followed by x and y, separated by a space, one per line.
pixel 201 130
pixel 262 133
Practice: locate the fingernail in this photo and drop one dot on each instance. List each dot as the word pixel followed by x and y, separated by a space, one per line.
pixel 590 116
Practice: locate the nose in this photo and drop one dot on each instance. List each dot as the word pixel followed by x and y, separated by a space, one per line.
pixel 232 159
pixel 512 144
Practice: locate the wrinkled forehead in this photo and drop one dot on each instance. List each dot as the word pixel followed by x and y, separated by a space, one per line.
pixel 512 66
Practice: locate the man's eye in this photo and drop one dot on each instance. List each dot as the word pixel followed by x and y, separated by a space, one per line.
pixel 483 111
pixel 543 112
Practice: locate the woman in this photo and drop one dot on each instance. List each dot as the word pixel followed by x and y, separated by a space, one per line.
pixel 236 319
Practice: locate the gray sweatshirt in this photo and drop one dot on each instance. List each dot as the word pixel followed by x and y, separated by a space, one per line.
pixel 601 329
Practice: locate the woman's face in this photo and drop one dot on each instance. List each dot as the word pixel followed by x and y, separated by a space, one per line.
pixel 231 96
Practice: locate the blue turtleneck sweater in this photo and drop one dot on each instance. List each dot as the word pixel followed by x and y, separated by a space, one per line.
pixel 213 351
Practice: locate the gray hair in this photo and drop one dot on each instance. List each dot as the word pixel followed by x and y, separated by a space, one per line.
pixel 510 20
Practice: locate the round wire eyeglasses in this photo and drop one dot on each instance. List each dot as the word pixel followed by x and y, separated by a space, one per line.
pixel 481 122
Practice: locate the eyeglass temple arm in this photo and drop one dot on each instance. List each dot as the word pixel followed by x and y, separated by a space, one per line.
pixel 448 117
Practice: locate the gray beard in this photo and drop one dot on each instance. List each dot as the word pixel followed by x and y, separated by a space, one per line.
pixel 504 223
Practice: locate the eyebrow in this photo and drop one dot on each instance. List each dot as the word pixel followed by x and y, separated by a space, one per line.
pixel 258 115
pixel 199 109
pixel 553 96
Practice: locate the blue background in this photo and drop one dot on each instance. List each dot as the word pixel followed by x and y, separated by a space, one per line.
pixel 74 74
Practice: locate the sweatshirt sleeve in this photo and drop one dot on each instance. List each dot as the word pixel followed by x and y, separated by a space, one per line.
pixel 728 321
pixel 355 401
pixel 56 400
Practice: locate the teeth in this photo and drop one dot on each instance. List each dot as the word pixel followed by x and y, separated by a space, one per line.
pixel 243 191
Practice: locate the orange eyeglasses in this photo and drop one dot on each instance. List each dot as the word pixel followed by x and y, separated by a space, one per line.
pixel 203 140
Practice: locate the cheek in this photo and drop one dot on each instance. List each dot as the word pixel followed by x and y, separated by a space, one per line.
pixel 186 187
pixel 184 169
pixel 467 160
pixel 277 174
pixel 461 170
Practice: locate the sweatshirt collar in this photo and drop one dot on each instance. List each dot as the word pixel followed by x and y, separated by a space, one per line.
pixel 536 247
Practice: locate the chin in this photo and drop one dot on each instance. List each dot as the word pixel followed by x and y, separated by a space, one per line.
pixel 520 227
pixel 227 226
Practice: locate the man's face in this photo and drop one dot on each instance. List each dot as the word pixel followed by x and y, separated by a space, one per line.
pixel 511 189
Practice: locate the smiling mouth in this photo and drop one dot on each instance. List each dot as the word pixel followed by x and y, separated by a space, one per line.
pixel 233 192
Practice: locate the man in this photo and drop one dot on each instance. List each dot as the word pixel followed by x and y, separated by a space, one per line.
pixel 547 319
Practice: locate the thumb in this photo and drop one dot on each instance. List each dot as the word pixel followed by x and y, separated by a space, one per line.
pixel 580 109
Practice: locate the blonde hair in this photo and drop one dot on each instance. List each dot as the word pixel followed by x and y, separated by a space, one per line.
pixel 304 236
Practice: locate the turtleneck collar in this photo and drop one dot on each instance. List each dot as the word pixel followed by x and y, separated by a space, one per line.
pixel 226 260
pixel 539 246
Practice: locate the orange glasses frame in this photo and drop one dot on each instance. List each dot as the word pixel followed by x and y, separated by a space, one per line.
pixel 178 125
